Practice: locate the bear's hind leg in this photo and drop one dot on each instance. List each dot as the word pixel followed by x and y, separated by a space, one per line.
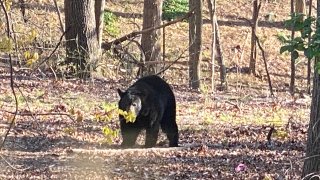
pixel 170 127
pixel 172 134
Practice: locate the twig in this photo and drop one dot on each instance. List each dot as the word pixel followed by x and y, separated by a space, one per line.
pixel 24 97
pixel 173 62
pixel 59 15
pixel 108 45
pixel 54 50
pixel 265 65
pixel 23 10
pixel 11 77
pixel 272 129
pixel 40 114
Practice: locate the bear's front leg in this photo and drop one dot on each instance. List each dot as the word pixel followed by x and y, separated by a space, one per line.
pixel 152 135
pixel 129 136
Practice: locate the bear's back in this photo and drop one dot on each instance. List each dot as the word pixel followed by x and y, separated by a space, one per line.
pixel 156 83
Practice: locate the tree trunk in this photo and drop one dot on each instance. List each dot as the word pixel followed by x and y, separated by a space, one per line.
pixel 309 60
pixel 82 41
pixel 222 67
pixel 300 7
pixel 253 55
pixel 312 161
pixel 293 61
pixel 99 12
pixel 150 41
pixel 311 164
pixel 212 13
pixel 195 43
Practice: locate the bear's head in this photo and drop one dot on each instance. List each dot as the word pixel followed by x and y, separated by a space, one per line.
pixel 130 101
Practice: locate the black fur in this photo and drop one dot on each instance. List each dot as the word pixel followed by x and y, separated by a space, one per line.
pixel 158 109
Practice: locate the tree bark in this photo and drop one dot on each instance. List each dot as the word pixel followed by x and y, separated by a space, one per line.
pixel 222 67
pixel 309 60
pixel 150 41
pixel 312 162
pixel 82 40
pixel 293 61
pixel 99 13
pixel 311 166
pixel 253 55
pixel 195 43
pixel 212 13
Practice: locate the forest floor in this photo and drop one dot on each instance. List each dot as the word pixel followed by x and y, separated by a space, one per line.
pixel 223 135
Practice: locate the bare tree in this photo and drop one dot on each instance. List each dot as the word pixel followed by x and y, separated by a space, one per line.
pixel 150 41
pixel 216 50
pixel 82 45
pixel 297 7
pixel 212 12
pixel 293 66
pixel 311 166
pixel 253 55
pixel 195 42
pixel 99 13
pixel 309 60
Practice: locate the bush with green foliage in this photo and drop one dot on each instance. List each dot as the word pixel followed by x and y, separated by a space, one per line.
pixel 111 24
pixel 174 8
pixel 300 43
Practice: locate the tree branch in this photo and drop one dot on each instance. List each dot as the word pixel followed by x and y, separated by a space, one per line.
pixel 11 77
pixel 54 50
pixel 108 45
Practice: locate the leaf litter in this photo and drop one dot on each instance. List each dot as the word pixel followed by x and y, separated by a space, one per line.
pixel 222 136
pixel 232 145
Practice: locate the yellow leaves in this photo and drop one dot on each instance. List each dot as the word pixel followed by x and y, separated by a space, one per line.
pixel 1 24
pixel 6 45
pixel 69 130
pixel 31 58
pixel 111 110
pixel 281 134
pixel 128 116
pixel 8 4
pixel 32 35
pixel 109 134
pixel 79 116
pixel 72 111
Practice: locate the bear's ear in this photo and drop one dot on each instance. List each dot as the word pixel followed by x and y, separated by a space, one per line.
pixel 121 93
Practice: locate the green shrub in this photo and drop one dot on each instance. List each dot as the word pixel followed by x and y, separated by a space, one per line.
pixel 111 24
pixel 174 8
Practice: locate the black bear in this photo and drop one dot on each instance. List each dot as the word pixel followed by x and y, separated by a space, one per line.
pixel 152 101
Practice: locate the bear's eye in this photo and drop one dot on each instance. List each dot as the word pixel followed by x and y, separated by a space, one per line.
pixel 134 104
